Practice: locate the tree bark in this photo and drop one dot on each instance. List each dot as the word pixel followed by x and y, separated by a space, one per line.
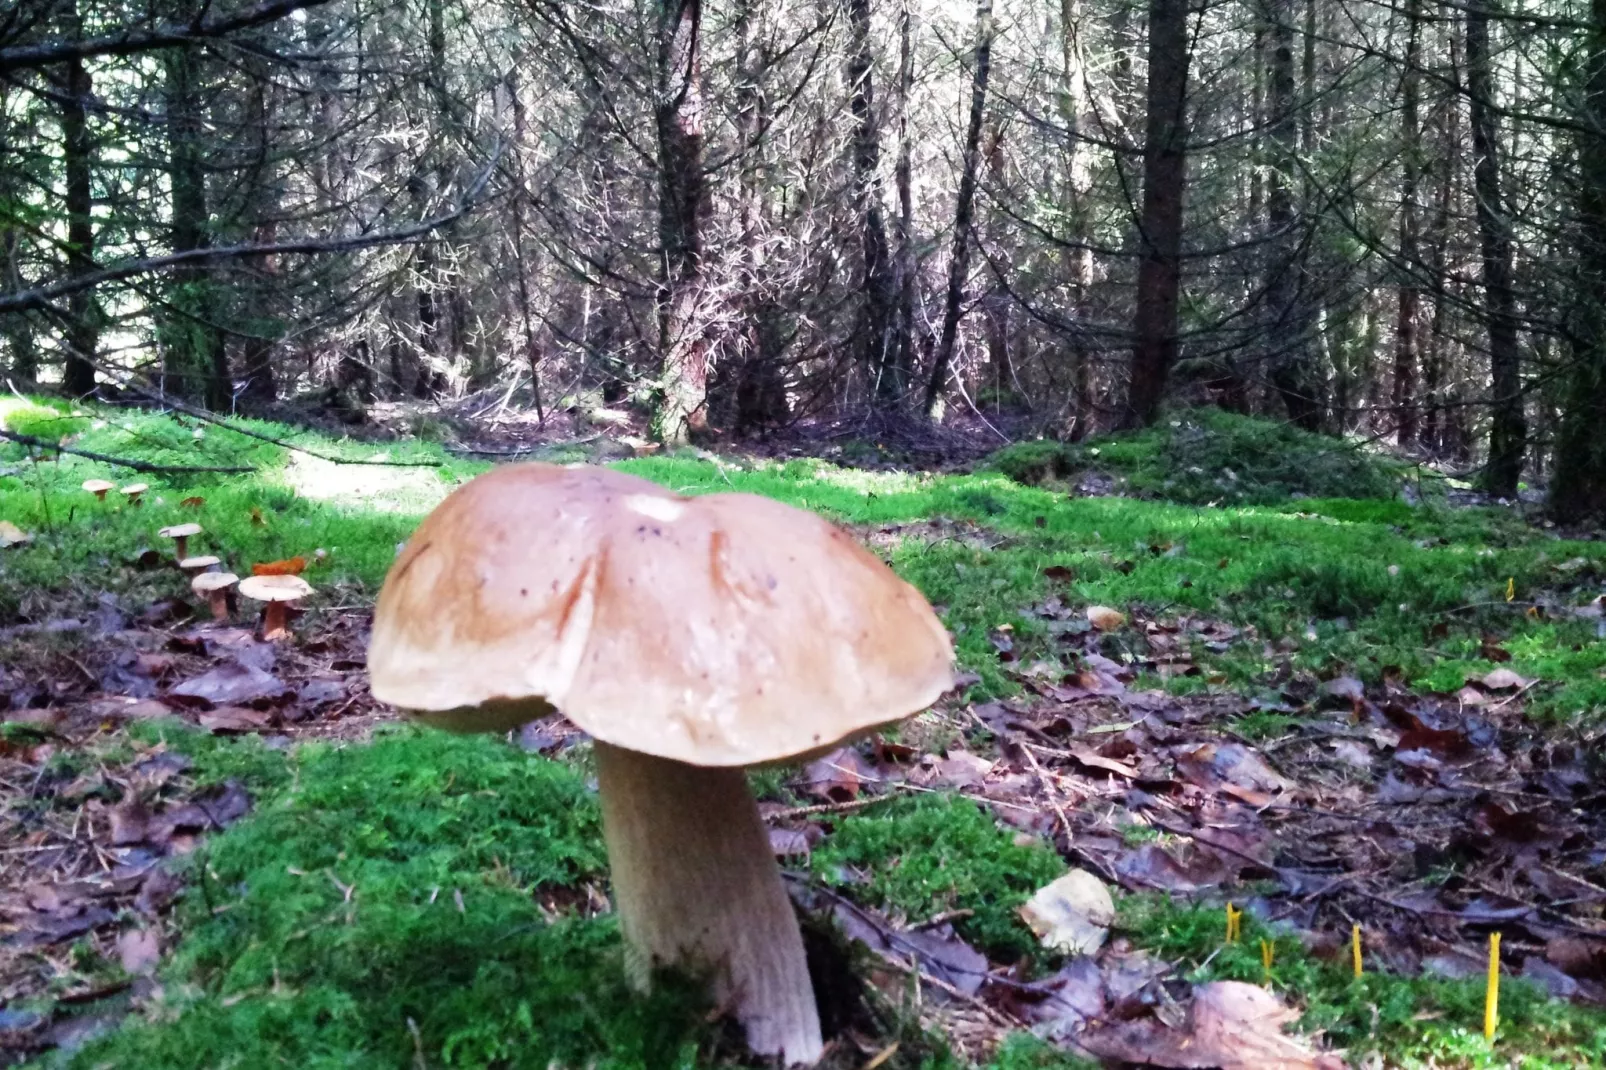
pixel 682 204
pixel 1154 325
pixel 1287 341
pixel 1407 344
pixel 78 151
pixel 1078 254
pixel 901 368
pixel 964 216
pixel 875 314
pixel 1507 431
pixel 195 360
pixel 1578 486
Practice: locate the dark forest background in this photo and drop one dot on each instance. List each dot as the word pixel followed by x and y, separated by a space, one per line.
pixel 1383 218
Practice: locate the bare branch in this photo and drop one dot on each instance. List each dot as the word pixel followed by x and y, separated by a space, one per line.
pixel 124 462
pixel 46 53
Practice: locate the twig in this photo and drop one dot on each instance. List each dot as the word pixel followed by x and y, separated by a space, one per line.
pixel 125 462
pixel 520 451
pixel 830 808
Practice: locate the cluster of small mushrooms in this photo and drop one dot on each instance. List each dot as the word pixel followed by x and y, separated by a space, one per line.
pixel 210 581
pixel 692 637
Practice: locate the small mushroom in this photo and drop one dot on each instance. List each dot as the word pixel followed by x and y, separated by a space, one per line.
pixel 216 588
pixel 691 637
pixel 194 566
pixel 278 592
pixel 180 534
pixel 99 487
pixel 133 491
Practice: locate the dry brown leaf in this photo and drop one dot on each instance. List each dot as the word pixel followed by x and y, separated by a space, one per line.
pixel 1105 619
pixel 139 950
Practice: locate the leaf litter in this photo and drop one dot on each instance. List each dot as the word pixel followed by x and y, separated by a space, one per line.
pixel 1428 819
pixel 92 819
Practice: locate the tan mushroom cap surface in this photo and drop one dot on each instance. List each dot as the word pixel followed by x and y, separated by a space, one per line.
pixel 135 488
pixel 99 486
pixel 177 530
pixel 200 561
pixel 207 582
pixel 721 630
pixel 275 588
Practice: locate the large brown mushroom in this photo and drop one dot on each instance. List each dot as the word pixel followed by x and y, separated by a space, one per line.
pixel 99 487
pixel 278 592
pixel 133 492
pixel 691 637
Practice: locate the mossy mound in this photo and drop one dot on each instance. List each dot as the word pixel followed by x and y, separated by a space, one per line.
pixel 1206 456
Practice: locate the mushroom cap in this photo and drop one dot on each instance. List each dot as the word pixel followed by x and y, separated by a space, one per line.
pixel 721 630
pixel 275 588
pixel 177 530
pixel 207 582
pixel 98 486
pixel 199 562
pixel 135 488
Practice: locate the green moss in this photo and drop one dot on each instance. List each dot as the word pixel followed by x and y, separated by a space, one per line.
pixel 383 902
pixel 925 855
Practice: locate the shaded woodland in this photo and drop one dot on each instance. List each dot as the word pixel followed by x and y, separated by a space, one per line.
pixel 1385 220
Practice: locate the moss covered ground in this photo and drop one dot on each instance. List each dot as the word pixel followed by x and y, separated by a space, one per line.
pixel 419 900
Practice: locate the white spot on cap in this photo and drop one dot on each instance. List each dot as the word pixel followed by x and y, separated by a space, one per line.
pixel 664 509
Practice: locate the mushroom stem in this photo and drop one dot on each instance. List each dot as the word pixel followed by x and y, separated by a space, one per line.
pixel 219 601
pixel 277 623
pixel 695 883
pixel 180 544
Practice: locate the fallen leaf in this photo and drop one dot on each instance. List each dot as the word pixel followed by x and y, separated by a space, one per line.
pixel 139 950
pixel 1352 753
pixel 1152 866
pixel 194 501
pixel 1059 1006
pixel 789 843
pixel 11 535
pixel 1230 1025
pixel 227 719
pixel 230 684
pixel 1072 914
pixel 1104 618
pixel 1216 765
pixel 1505 680
pixel 838 776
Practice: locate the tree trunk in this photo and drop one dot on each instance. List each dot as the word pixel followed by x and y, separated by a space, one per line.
pixel 1406 341
pixel 1154 325
pixel 1507 431
pixel 195 361
pixel 964 216
pixel 1076 181
pixel 902 364
pixel 875 314
pixel 1578 486
pixel 1287 342
pixel 78 150
pixel 682 204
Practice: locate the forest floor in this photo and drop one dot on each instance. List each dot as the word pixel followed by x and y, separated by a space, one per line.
pixel 1372 715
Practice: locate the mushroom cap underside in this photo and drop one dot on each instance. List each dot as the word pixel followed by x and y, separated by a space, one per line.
pixel 721 630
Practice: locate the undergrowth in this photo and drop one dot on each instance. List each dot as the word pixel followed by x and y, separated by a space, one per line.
pixel 1419 1022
